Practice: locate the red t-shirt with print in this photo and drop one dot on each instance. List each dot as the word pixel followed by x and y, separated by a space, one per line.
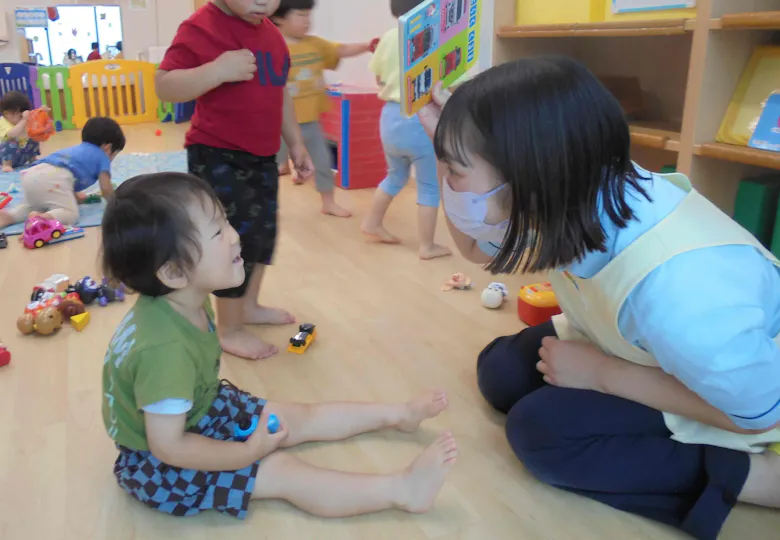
pixel 245 115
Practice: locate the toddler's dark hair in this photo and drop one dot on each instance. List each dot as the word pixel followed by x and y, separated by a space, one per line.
pixel 15 102
pixel 102 130
pixel 401 7
pixel 286 6
pixel 551 130
pixel 146 224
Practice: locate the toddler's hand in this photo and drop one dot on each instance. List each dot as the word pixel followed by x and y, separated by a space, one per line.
pixel 81 196
pixel 263 443
pixel 304 167
pixel 236 66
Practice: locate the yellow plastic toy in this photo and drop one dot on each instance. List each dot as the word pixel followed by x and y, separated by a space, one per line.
pixel 307 333
pixel 775 447
pixel 537 304
pixel 79 322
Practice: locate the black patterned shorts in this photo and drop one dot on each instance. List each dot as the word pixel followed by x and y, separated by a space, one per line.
pixel 248 187
pixel 186 492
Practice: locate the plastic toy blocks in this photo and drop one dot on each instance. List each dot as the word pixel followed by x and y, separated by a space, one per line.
pixel 352 127
pixel 80 322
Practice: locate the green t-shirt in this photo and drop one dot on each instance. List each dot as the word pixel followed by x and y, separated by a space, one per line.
pixel 157 354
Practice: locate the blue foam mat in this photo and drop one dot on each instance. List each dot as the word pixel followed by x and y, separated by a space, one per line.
pixel 125 166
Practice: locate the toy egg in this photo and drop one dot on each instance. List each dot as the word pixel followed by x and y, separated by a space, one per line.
pixel 494 295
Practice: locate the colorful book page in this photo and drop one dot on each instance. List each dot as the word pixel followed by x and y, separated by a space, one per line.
pixel 439 42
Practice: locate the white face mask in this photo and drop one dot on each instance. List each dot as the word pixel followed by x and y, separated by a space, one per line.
pixel 467 212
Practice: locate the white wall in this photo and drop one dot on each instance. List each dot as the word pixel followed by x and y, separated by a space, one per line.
pixel 141 29
pixel 361 20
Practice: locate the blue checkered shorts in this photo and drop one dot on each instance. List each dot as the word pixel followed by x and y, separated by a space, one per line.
pixel 186 492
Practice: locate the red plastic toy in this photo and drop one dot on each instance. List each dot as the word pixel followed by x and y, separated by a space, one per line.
pixel 537 304
pixel 374 45
pixel 5 356
pixel 5 198
pixel 39 125
pixel 39 232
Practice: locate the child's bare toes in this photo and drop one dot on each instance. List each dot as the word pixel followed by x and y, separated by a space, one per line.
pixel 428 405
pixel 244 344
pixel 425 476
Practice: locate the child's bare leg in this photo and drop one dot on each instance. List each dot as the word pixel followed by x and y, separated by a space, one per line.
pixel 426 222
pixel 338 421
pixel 8 166
pixel 762 486
pixel 372 224
pixel 254 313
pixel 329 493
pixel 331 208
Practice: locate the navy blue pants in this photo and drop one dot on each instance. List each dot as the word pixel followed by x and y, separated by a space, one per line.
pixel 607 448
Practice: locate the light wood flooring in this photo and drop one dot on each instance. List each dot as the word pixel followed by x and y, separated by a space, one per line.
pixel 386 332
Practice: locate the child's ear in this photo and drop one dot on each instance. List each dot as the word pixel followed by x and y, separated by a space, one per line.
pixel 171 275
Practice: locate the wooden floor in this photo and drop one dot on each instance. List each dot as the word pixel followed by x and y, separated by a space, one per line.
pixel 386 332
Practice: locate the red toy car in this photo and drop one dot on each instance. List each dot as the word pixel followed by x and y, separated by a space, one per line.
pixel 39 232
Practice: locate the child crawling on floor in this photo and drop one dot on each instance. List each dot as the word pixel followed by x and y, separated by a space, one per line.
pixel 16 149
pixel 166 237
pixel 55 185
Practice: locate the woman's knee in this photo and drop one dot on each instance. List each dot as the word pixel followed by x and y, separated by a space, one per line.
pixel 506 368
pixel 540 435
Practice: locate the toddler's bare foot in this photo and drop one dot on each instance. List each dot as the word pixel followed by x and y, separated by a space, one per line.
pixel 7 168
pixel 333 209
pixel 428 405
pixel 379 234
pixel 284 169
pixel 266 315
pixel 242 343
pixel 424 478
pixel 434 251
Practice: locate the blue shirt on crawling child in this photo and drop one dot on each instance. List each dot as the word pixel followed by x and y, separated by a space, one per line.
pixel 712 330
pixel 84 161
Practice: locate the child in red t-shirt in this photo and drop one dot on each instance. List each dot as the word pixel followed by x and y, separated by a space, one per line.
pixel 232 59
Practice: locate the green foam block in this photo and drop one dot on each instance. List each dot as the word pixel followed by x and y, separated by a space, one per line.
pixel 756 206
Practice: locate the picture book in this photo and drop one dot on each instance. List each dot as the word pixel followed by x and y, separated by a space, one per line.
pixel 439 42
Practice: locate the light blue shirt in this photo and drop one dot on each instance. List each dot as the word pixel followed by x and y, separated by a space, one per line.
pixel 707 316
pixel 84 161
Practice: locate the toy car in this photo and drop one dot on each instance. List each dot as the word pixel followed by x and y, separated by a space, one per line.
pixel 307 333
pixel 3 241
pixel 39 232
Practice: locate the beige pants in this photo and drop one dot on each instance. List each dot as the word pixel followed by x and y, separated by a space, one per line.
pixel 48 189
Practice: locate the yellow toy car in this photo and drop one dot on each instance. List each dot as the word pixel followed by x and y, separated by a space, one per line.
pixel 307 333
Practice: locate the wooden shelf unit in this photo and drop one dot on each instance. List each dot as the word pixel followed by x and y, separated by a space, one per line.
pixel 605 29
pixel 716 44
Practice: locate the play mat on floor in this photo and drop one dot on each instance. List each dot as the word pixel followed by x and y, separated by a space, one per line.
pixel 125 166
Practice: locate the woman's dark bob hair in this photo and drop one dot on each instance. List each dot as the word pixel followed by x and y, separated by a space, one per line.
pixel 557 136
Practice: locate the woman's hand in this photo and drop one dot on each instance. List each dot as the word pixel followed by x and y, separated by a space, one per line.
pixel 430 114
pixel 573 364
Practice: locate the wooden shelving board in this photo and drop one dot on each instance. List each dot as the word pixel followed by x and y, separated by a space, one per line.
pixel 665 27
pixel 655 135
pixel 760 20
pixel 739 154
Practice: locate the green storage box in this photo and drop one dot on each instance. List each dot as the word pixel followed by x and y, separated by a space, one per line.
pixel 776 236
pixel 756 206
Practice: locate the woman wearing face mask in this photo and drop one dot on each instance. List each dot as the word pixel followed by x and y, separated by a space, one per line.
pixel 656 392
